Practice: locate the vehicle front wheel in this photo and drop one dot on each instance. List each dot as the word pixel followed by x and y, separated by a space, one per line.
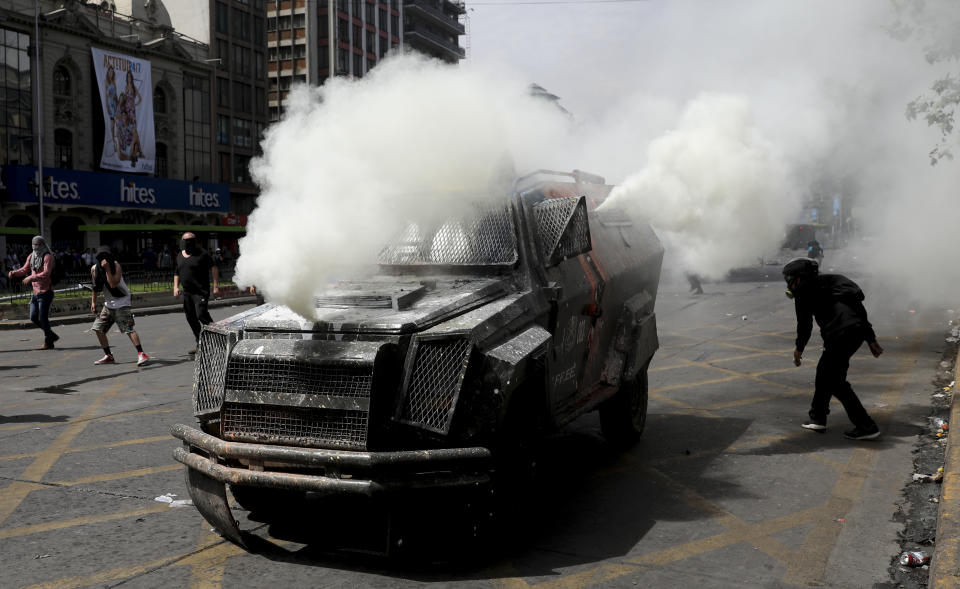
pixel 624 415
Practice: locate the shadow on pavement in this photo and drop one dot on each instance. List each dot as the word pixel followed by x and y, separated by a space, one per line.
pixel 33 418
pixel 586 503
pixel 69 387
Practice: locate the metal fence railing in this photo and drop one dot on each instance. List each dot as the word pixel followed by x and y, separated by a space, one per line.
pixel 78 283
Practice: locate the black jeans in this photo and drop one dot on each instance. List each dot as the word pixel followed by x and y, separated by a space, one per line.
pixel 832 380
pixel 195 308
pixel 40 314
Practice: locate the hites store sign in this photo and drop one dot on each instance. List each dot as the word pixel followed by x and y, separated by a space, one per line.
pixel 76 187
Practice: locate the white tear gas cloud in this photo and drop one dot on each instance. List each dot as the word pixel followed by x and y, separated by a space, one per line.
pixel 828 83
pixel 353 159
pixel 706 182
pixel 720 118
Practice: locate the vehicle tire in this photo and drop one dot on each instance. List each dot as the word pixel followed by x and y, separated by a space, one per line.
pixel 624 415
pixel 266 501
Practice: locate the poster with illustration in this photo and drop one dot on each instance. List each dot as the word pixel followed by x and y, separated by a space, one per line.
pixel 126 95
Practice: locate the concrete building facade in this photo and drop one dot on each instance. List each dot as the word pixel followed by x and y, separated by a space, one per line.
pixel 235 31
pixel 58 105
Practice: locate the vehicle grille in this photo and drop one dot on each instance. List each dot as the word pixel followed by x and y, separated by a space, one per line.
pixel 313 393
pixel 295 426
pixel 211 364
pixel 287 375
pixel 434 383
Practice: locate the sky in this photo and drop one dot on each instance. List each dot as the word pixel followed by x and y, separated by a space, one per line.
pixel 716 120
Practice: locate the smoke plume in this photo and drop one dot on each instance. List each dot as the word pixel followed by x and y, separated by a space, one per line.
pixel 722 122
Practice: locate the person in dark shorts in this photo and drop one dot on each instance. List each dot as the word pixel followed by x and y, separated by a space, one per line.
pixel 836 302
pixel 194 266
pixel 117 308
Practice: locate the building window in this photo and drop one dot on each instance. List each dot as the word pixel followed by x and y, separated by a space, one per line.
pixel 223 52
pixel 357 65
pixel 223 19
pixel 223 130
pixel 261 62
pixel 61 81
pixel 342 67
pixel 299 21
pixel 162 167
pixel 16 124
pixel 259 38
pixel 324 62
pixel 225 167
pixel 271 24
pixel 322 24
pixel 223 92
pixel 357 37
pixel 242 63
pixel 261 101
pixel 196 126
pixel 242 130
pixel 241 169
pixel 242 98
pixel 63 148
pixel 159 101
pixel 241 25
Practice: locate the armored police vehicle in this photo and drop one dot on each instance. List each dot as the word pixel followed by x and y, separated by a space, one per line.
pixel 472 336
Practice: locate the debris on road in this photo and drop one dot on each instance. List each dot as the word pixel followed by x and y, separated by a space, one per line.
pixel 169 498
pixel 914 558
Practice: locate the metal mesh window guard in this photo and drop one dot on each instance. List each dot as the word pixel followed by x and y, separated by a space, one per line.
pixel 434 384
pixel 486 236
pixel 211 365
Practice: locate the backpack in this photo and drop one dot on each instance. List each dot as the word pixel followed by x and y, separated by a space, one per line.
pixel 57 273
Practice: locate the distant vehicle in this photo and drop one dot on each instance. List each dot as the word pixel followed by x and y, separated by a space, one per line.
pixel 473 336
pixel 799 235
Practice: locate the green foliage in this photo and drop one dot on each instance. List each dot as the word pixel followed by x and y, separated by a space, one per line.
pixel 936 27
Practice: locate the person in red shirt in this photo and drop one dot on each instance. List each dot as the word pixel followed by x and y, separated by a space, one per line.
pixel 38 270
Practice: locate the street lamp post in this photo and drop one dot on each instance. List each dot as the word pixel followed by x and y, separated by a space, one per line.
pixel 36 52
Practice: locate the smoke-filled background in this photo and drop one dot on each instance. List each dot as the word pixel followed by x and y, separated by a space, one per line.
pixel 716 120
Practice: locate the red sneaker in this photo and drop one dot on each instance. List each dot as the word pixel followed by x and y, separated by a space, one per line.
pixel 142 359
pixel 107 359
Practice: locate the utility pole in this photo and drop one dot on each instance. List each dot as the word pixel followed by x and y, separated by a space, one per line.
pixel 39 102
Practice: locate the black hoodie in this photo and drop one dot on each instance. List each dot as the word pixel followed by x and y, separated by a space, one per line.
pixel 835 302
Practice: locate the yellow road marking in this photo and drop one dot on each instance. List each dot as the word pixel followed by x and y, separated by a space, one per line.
pixel 57 399
pixel 94 447
pixel 810 564
pixel 140 472
pixel 13 495
pixel 80 521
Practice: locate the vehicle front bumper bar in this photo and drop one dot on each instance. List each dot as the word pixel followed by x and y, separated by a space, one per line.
pixel 345 471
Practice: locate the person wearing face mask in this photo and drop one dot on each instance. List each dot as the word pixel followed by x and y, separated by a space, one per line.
pixel 836 302
pixel 107 276
pixel 39 266
pixel 192 277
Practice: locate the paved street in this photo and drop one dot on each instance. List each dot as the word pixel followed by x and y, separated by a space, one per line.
pixel 725 490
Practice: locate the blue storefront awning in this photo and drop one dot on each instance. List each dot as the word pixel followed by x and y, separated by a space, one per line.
pixel 115 189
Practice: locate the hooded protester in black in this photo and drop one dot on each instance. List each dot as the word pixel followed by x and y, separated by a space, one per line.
pixel 836 302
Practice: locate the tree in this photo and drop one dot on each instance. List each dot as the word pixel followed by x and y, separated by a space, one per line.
pixel 935 25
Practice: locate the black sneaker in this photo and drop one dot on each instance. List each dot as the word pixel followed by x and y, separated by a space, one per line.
pixel 815 426
pixel 870 432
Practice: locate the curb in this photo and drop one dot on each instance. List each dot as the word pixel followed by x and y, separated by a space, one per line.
pixel 88 318
pixel 945 564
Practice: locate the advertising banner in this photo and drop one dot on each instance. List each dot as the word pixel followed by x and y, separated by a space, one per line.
pixel 122 191
pixel 126 95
